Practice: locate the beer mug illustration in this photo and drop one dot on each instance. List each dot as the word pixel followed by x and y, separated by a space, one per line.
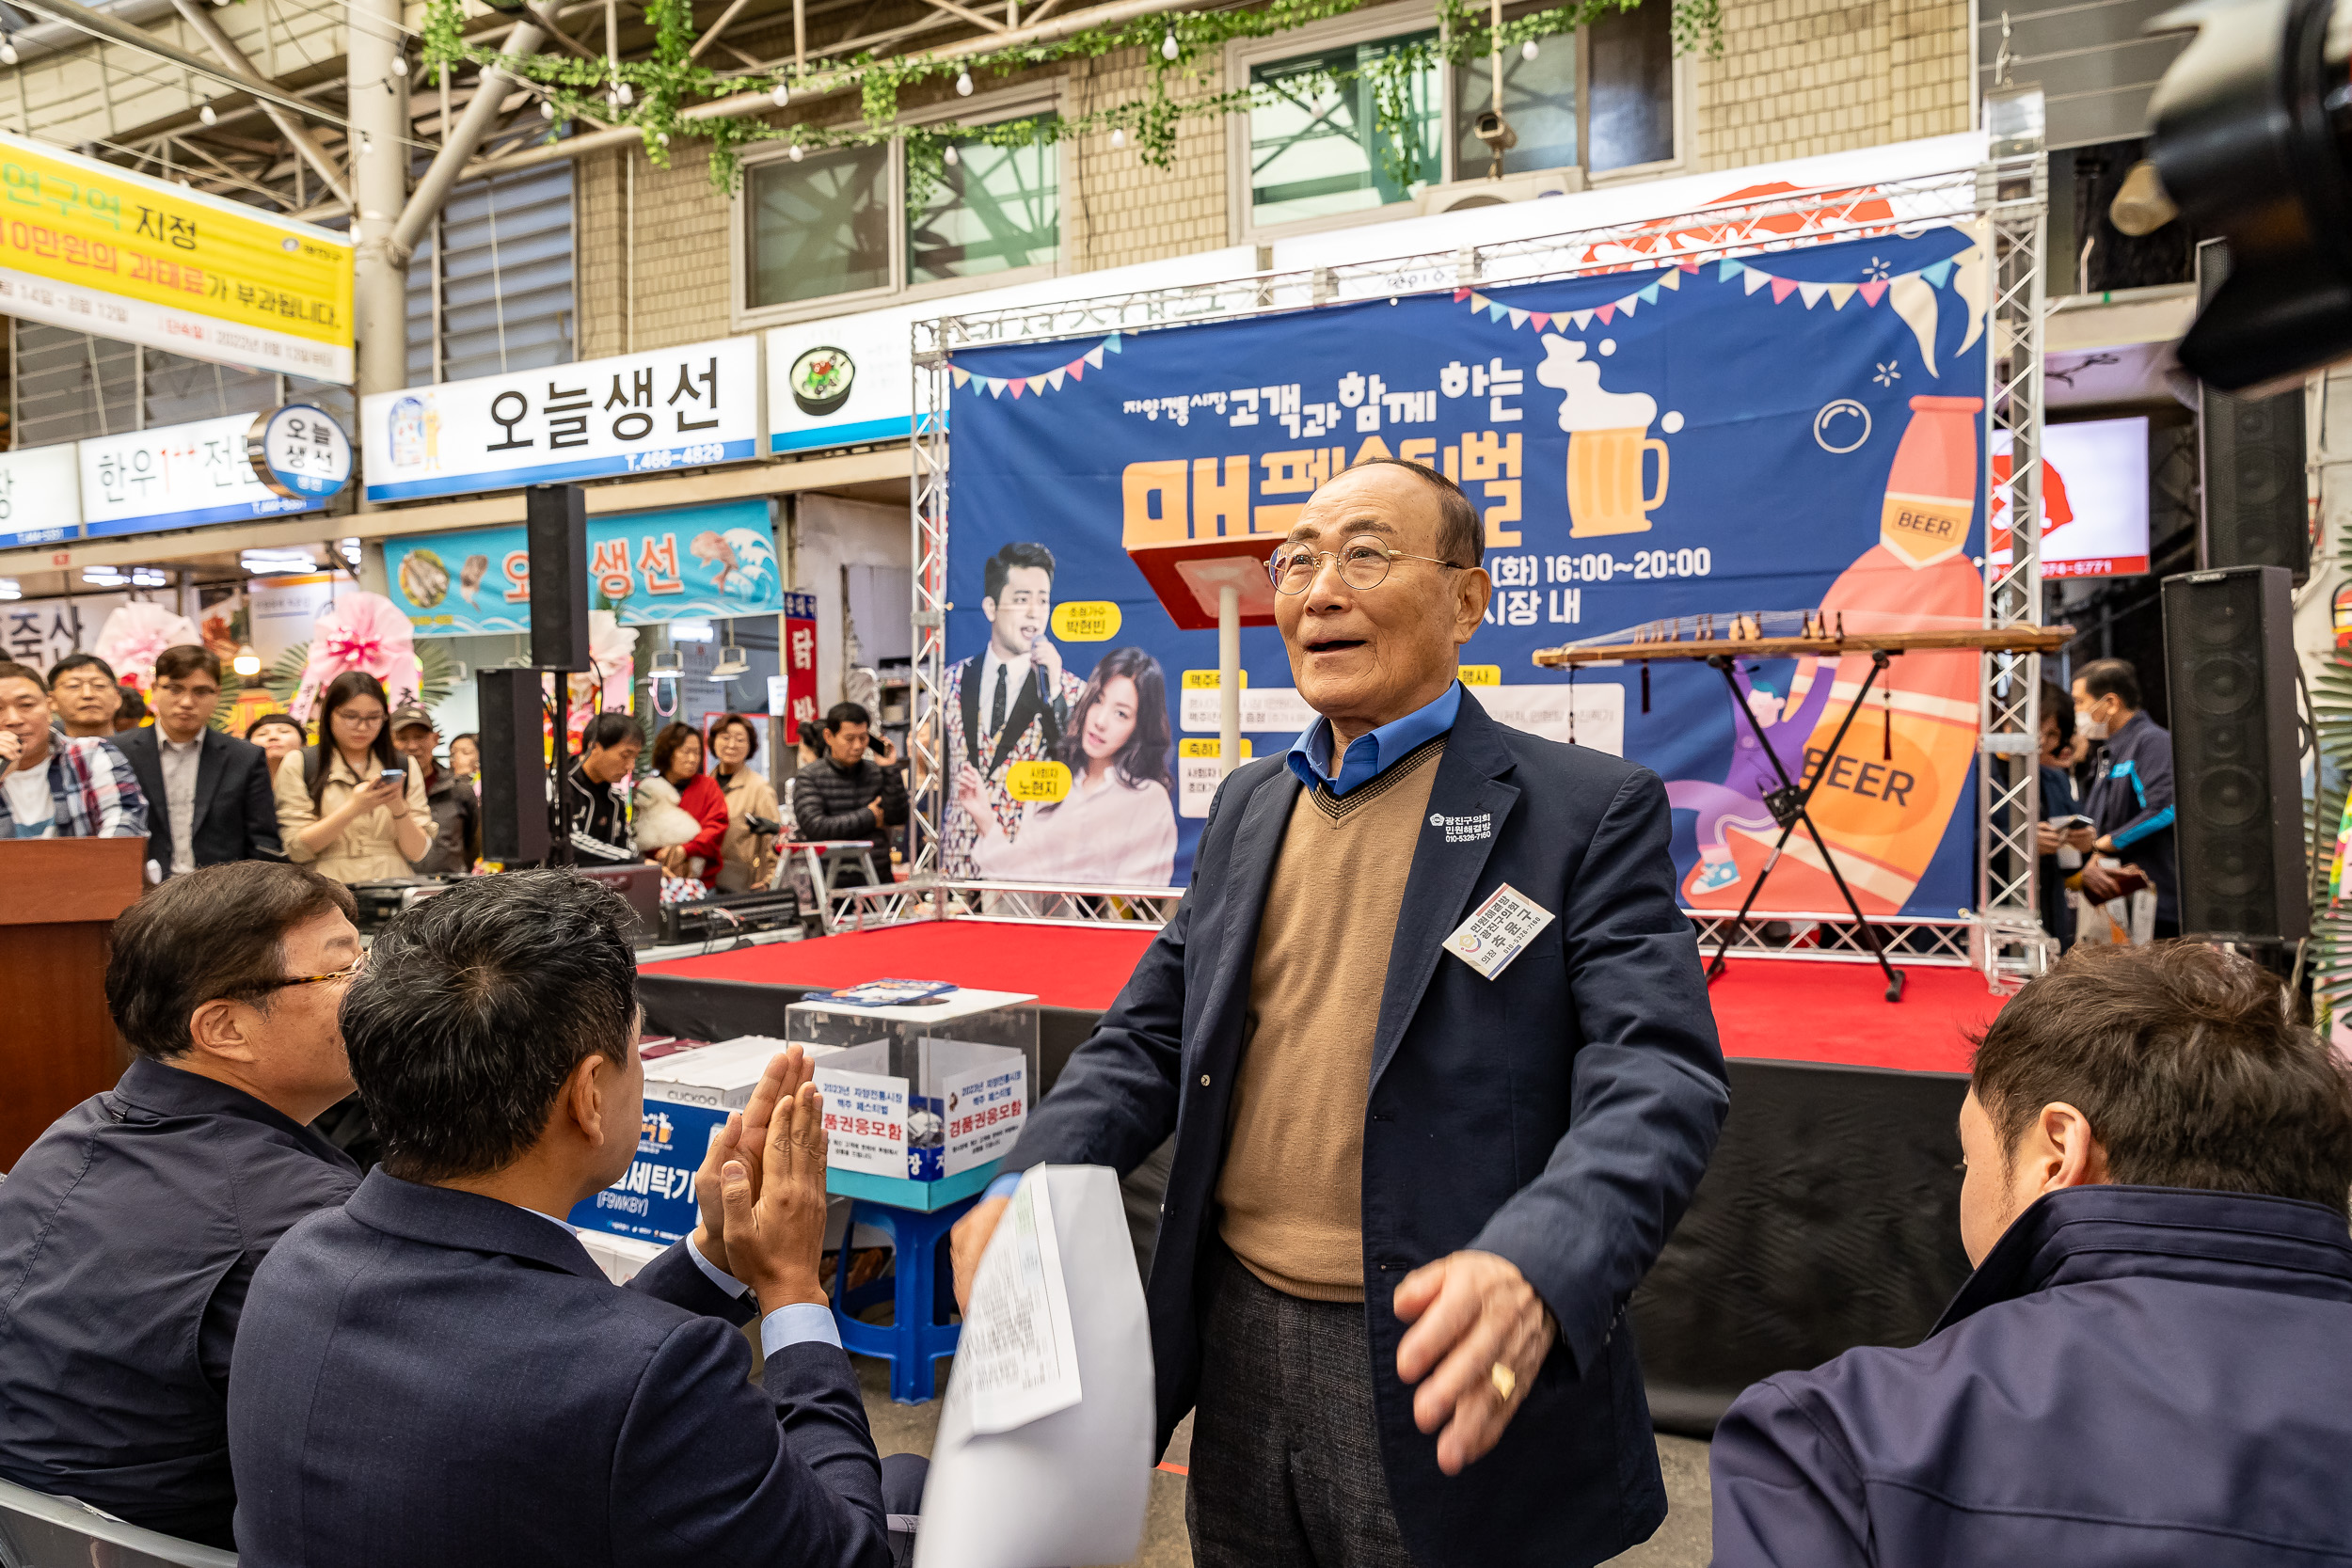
pixel 1609 441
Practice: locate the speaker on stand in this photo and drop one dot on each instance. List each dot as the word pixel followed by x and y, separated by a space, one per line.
pixel 2256 510
pixel 2228 652
pixel 514 816
pixel 519 826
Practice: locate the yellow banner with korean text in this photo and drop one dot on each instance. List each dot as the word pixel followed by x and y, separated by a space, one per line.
pixel 95 248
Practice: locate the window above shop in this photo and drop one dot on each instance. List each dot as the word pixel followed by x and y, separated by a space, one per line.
pixel 831 227
pixel 1598 101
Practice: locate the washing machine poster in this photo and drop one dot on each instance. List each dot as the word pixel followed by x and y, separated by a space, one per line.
pixel 866 1123
pixel 983 1110
pixel 687 563
pixel 1781 430
pixel 653 1200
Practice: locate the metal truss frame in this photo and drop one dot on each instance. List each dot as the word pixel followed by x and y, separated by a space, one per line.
pixel 2012 946
pixel 1948 943
pixel 2004 200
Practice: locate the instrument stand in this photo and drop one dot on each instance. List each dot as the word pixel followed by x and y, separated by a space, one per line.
pixel 1788 806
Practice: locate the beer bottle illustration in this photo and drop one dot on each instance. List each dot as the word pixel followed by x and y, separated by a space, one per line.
pixel 1889 793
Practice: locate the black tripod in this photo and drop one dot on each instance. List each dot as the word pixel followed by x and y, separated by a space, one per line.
pixel 1788 806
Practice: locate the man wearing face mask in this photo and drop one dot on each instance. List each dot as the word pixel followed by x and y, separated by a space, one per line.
pixel 2130 798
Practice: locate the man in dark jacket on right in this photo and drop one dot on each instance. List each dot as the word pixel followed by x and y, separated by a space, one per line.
pixel 2147 1367
pixel 846 794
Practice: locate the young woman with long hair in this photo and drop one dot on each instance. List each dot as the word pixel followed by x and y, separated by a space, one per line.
pixel 1117 824
pixel 353 807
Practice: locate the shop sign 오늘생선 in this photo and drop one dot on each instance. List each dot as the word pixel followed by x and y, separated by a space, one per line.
pixel 686 563
pixel 637 413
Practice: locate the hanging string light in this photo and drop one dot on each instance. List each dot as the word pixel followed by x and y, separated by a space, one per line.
pixel 963 84
pixel 796 154
pixel 781 95
pixel 1528 49
pixel 950 155
pixel 1168 47
pixel 208 114
pixel 1119 138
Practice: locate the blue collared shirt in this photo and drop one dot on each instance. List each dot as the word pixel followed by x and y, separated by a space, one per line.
pixel 1367 754
pixel 795 1324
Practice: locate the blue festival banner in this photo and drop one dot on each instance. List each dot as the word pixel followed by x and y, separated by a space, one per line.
pixel 687 563
pixel 1797 430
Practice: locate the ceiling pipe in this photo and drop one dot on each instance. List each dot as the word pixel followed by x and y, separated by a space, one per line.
pixel 459 144
pixel 197 17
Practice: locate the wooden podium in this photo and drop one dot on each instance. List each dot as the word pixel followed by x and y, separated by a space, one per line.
pixel 57 1043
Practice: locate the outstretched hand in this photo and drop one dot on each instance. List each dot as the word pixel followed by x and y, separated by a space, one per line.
pixel 746 1128
pixel 1480 1335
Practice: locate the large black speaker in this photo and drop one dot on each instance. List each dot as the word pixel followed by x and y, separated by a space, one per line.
pixel 557 519
pixel 2250 452
pixel 513 765
pixel 2229 651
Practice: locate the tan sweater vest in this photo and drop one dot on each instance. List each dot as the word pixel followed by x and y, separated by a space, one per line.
pixel 1291 1189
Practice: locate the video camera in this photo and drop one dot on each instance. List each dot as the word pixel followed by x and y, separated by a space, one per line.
pixel 2253 141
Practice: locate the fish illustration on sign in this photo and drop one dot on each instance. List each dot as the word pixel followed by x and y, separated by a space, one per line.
pixel 470 577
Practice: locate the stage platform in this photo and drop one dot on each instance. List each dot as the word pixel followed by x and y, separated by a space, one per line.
pixel 1827 1219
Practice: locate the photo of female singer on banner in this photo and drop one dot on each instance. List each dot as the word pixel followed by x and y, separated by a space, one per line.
pixel 1117 827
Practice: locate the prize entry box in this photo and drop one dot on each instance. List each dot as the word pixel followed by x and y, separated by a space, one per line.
pixel 922 1092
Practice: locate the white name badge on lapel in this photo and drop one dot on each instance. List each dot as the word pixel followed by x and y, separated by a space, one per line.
pixel 1498 930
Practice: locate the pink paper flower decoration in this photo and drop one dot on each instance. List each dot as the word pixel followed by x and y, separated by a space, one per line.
pixel 361 631
pixel 135 634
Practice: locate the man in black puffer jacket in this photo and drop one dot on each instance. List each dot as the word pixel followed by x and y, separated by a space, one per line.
pixel 846 794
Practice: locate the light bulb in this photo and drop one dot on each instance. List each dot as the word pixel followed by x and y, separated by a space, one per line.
pixel 1119 138
pixel 546 108
pixel 628 95
pixel 952 159
pixel 367 144
pixel 963 84
pixel 796 154
pixel 247 662
pixel 781 95
pixel 400 65
pixel 1528 49
pixel 207 114
pixel 662 137
pixel 1168 49
pixel 7 52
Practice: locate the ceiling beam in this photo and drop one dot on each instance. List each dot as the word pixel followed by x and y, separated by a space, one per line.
pixel 298 134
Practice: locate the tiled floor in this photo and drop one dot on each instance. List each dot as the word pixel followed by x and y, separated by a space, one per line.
pixel 1681 1543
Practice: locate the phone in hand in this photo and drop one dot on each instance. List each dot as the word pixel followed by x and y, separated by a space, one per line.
pixel 2064 823
pixel 393 775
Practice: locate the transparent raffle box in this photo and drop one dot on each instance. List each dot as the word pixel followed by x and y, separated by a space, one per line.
pixel 922 1100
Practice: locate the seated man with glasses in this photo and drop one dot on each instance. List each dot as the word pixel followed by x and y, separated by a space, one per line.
pixel 130 1230
pixel 1432 1038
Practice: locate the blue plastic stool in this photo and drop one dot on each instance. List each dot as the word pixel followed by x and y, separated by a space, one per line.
pixel 913 1336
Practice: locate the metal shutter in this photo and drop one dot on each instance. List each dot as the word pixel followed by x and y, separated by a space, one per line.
pixel 490 287
pixel 2095 69
pixel 69 386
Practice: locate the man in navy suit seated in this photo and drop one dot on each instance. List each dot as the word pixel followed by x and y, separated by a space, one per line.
pixel 436 1373
pixel 2148 1367
pixel 130 1230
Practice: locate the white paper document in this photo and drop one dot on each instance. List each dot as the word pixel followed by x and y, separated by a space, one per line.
pixel 1044 1457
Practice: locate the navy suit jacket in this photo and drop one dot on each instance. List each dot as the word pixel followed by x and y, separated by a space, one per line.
pixel 130 1233
pixel 236 813
pixel 1559 1114
pixel 432 1376
pixel 2135 1375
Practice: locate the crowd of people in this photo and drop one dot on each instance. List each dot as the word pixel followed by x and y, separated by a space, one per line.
pixel 375 798
pixel 1408 1195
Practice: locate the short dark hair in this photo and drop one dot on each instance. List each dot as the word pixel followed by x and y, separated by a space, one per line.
pixel 751 732
pixel 2189 1064
pixel 476 1005
pixel 184 660
pixel 2112 677
pixel 665 745
pixel 1021 552
pixel 133 707
pixel 812 734
pixel 847 713
pixel 2059 707
pixel 76 661
pixel 286 718
pixel 11 671
pixel 610 729
pixel 1461 532
pixel 217 931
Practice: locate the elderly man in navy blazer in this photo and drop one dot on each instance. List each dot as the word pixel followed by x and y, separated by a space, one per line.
pixel 1433 1040
pixel 436 1373
pixel 2148 1367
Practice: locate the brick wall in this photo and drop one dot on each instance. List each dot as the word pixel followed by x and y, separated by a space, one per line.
pixel 681 226
pixel 1124 211
pixel 1800 77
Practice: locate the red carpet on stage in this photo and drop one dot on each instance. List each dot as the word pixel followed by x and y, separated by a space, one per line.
pixel 1764 1007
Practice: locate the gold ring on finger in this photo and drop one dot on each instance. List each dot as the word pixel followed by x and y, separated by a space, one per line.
pixel 1506 1381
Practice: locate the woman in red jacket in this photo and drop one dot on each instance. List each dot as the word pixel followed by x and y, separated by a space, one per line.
pixel 677 774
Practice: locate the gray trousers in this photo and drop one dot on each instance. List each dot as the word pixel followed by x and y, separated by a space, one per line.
pixel 1286 1453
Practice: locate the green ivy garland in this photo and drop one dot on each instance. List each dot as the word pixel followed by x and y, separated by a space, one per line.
pixel 651 95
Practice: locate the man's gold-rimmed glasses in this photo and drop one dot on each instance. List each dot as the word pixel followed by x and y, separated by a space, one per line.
pixel 350 972
pixel 1363 563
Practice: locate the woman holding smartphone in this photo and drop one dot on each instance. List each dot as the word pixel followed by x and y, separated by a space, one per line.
pixel 351 807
